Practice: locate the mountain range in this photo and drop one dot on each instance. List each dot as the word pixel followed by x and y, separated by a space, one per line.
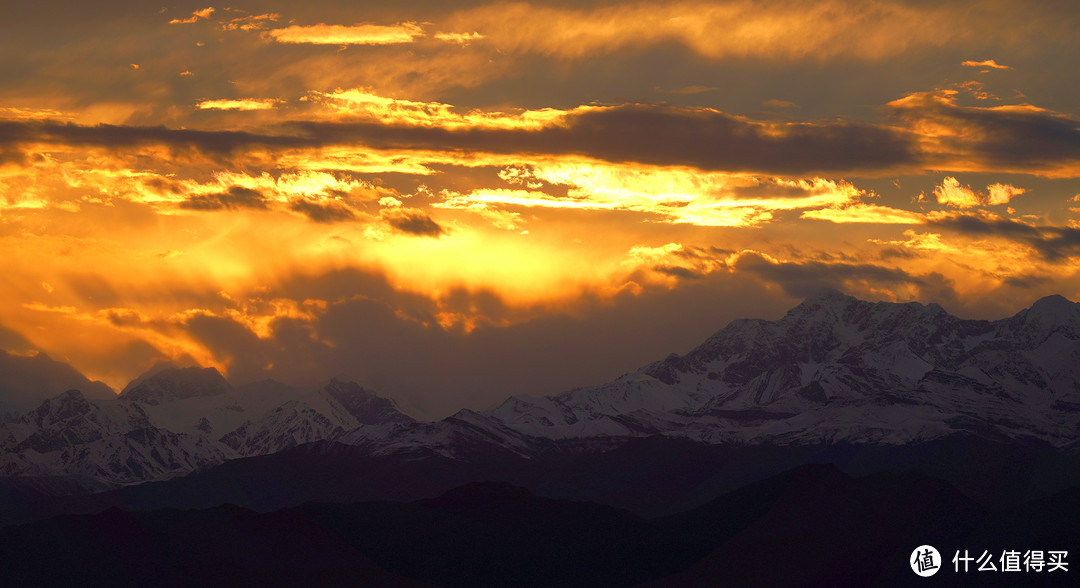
pixel 810 526
pixel 833 369
pixel 687 466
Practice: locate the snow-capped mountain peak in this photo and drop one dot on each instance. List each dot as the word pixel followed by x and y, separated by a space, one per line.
pixel 112 441
pixel 290 424
pixel 842 368
pixel 364 405
pixel 1049 315
pixel 171 383
pixel 68 404
pixel 834 368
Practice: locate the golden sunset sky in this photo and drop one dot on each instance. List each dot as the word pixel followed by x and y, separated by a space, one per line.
pixel 453 202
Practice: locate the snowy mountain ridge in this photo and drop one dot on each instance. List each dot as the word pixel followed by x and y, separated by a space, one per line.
pixel 178 420
pixel 833 369
pixel 838 368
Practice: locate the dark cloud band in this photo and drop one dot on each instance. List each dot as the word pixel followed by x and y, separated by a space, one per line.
pixel 1014 138
pixel 1052 243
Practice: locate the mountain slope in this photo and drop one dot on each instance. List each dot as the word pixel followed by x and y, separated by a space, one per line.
pixel 172 422
pixel 112 442
pixel 834 370
pixel 167 384
pixel 810 526
pixel 226 546
pixel 837 368
pixel 325 414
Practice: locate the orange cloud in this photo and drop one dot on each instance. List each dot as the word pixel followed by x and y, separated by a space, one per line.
pixel 957 138
pixel 703 138
pixel 39 306
pixel 975 89
pixel 459 38
pixel 670 195
pixel 1002 193
pixel 316 196
pixel 254 22
pixel 362 103
pixel 951 193
pixel 138 215
pixel 241 104
pixel 417 70
pixel 197 15
pixel 866 213
pixel 412 221
pixel 990 63
pixel 700 137
pixel 1051 243
pixel 8 112
pixel 361 34
pixel 785 30
pixel 923 241
pixel 367 161
pixel 935 133
pixel 981 258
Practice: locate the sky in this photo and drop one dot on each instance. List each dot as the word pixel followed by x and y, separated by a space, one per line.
pixel 453 202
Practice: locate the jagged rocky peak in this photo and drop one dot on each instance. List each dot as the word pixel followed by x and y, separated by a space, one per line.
pixel 64 406
pixel 832 327
pixel 832 302
pixel 831 314
pixel 1049 315
pixel 813 320
pixel 293 423
pixel 364 405
pixel 168 383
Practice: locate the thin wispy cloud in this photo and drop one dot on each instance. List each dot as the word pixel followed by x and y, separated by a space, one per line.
pixel 196 16
pixel 360 34
pixel 988 64
pixel 238 104
pixel 819 30
pixel 459 38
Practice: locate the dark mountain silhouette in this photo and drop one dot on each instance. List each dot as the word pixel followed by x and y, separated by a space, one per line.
pixel 28 380
pixel 813 525
pixel 818 449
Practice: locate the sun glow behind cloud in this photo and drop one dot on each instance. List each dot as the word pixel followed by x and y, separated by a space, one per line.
pixel 244 104
pixel 361 34
pixel 459 174
pixel 670 195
